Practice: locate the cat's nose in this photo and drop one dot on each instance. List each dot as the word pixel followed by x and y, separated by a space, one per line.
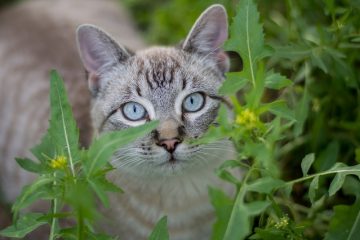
pixel 169 144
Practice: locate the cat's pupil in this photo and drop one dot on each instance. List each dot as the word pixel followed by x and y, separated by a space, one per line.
pixel 134 108
pixel 191 100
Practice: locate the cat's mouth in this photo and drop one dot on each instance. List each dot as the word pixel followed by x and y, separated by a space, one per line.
pixel 172 159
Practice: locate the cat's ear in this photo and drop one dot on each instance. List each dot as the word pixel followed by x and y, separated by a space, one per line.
pixel 208 35
pixel 98 52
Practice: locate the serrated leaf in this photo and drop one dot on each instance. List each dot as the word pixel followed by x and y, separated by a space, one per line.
pixel 233 83
pixel 306 163
pixel 265 185
pixel 247 37
pixel 29 165
pixel 62 130
pixel 314 185
pixel 336 183
pixel 276 81
pixel 160 231
pixel 23 226
pixel 103 148
pixel 257 207
pixel 45 149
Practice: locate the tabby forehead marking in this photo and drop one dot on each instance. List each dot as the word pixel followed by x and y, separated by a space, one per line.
pixel 158 71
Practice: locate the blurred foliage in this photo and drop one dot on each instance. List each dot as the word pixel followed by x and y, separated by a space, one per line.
pixel 8 2
pixel 314 43
pixel 168 22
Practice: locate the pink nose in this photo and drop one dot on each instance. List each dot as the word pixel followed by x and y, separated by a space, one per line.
pixel 169 144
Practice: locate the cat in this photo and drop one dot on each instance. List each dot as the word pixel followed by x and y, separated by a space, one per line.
pixel 160 173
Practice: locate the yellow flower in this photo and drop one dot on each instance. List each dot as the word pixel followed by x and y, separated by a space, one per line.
pixel 248 119
pixel 282 223
pixel 59 162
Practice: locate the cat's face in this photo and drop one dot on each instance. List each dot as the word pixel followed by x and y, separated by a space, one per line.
pixel 176 85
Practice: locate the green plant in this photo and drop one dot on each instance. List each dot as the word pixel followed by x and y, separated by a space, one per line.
pixel 263 207
pixel 164 21
pixel 72 179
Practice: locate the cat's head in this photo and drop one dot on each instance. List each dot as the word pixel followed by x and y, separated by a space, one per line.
pixel 175 85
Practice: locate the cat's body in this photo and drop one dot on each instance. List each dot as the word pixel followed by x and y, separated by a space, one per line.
pixel 160 173
pixel 35 37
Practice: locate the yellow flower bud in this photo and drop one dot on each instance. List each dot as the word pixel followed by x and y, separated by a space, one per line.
pixel 59 162
pixel 248 119
pixel 282 223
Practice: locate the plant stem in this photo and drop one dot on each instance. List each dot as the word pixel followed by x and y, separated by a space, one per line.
pixel 80 233
pixel 54 207
pixel 239 199
pixel 349 171
pixel 248 47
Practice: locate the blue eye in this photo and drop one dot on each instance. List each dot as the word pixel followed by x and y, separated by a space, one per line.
pixel 133 111
pixel 194 102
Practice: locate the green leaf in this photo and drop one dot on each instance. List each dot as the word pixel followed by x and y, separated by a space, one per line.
pixel 223 206
pixel 247 37
pixel 80 197
pixel 23 226
pixel 357 155
pixel 276 81
pixel 302 108
pixel 239 223
pixel 317 57
pixel 233 83
pixel 103 148
pixel 345 224
pixel 280 108
pixel 101 186
pixel 227 176
pixel 265 185
pixel 254 96
pixel 306 163
pixel 29 165
pixel 288 189
pixel 327 157
pixel 160 231
pixel 229 164
pixel 293 52
pixel 45 149
pixel 63 130
pixel 257 207
pixel 314 185
pixel 31 193
pixel 336 183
